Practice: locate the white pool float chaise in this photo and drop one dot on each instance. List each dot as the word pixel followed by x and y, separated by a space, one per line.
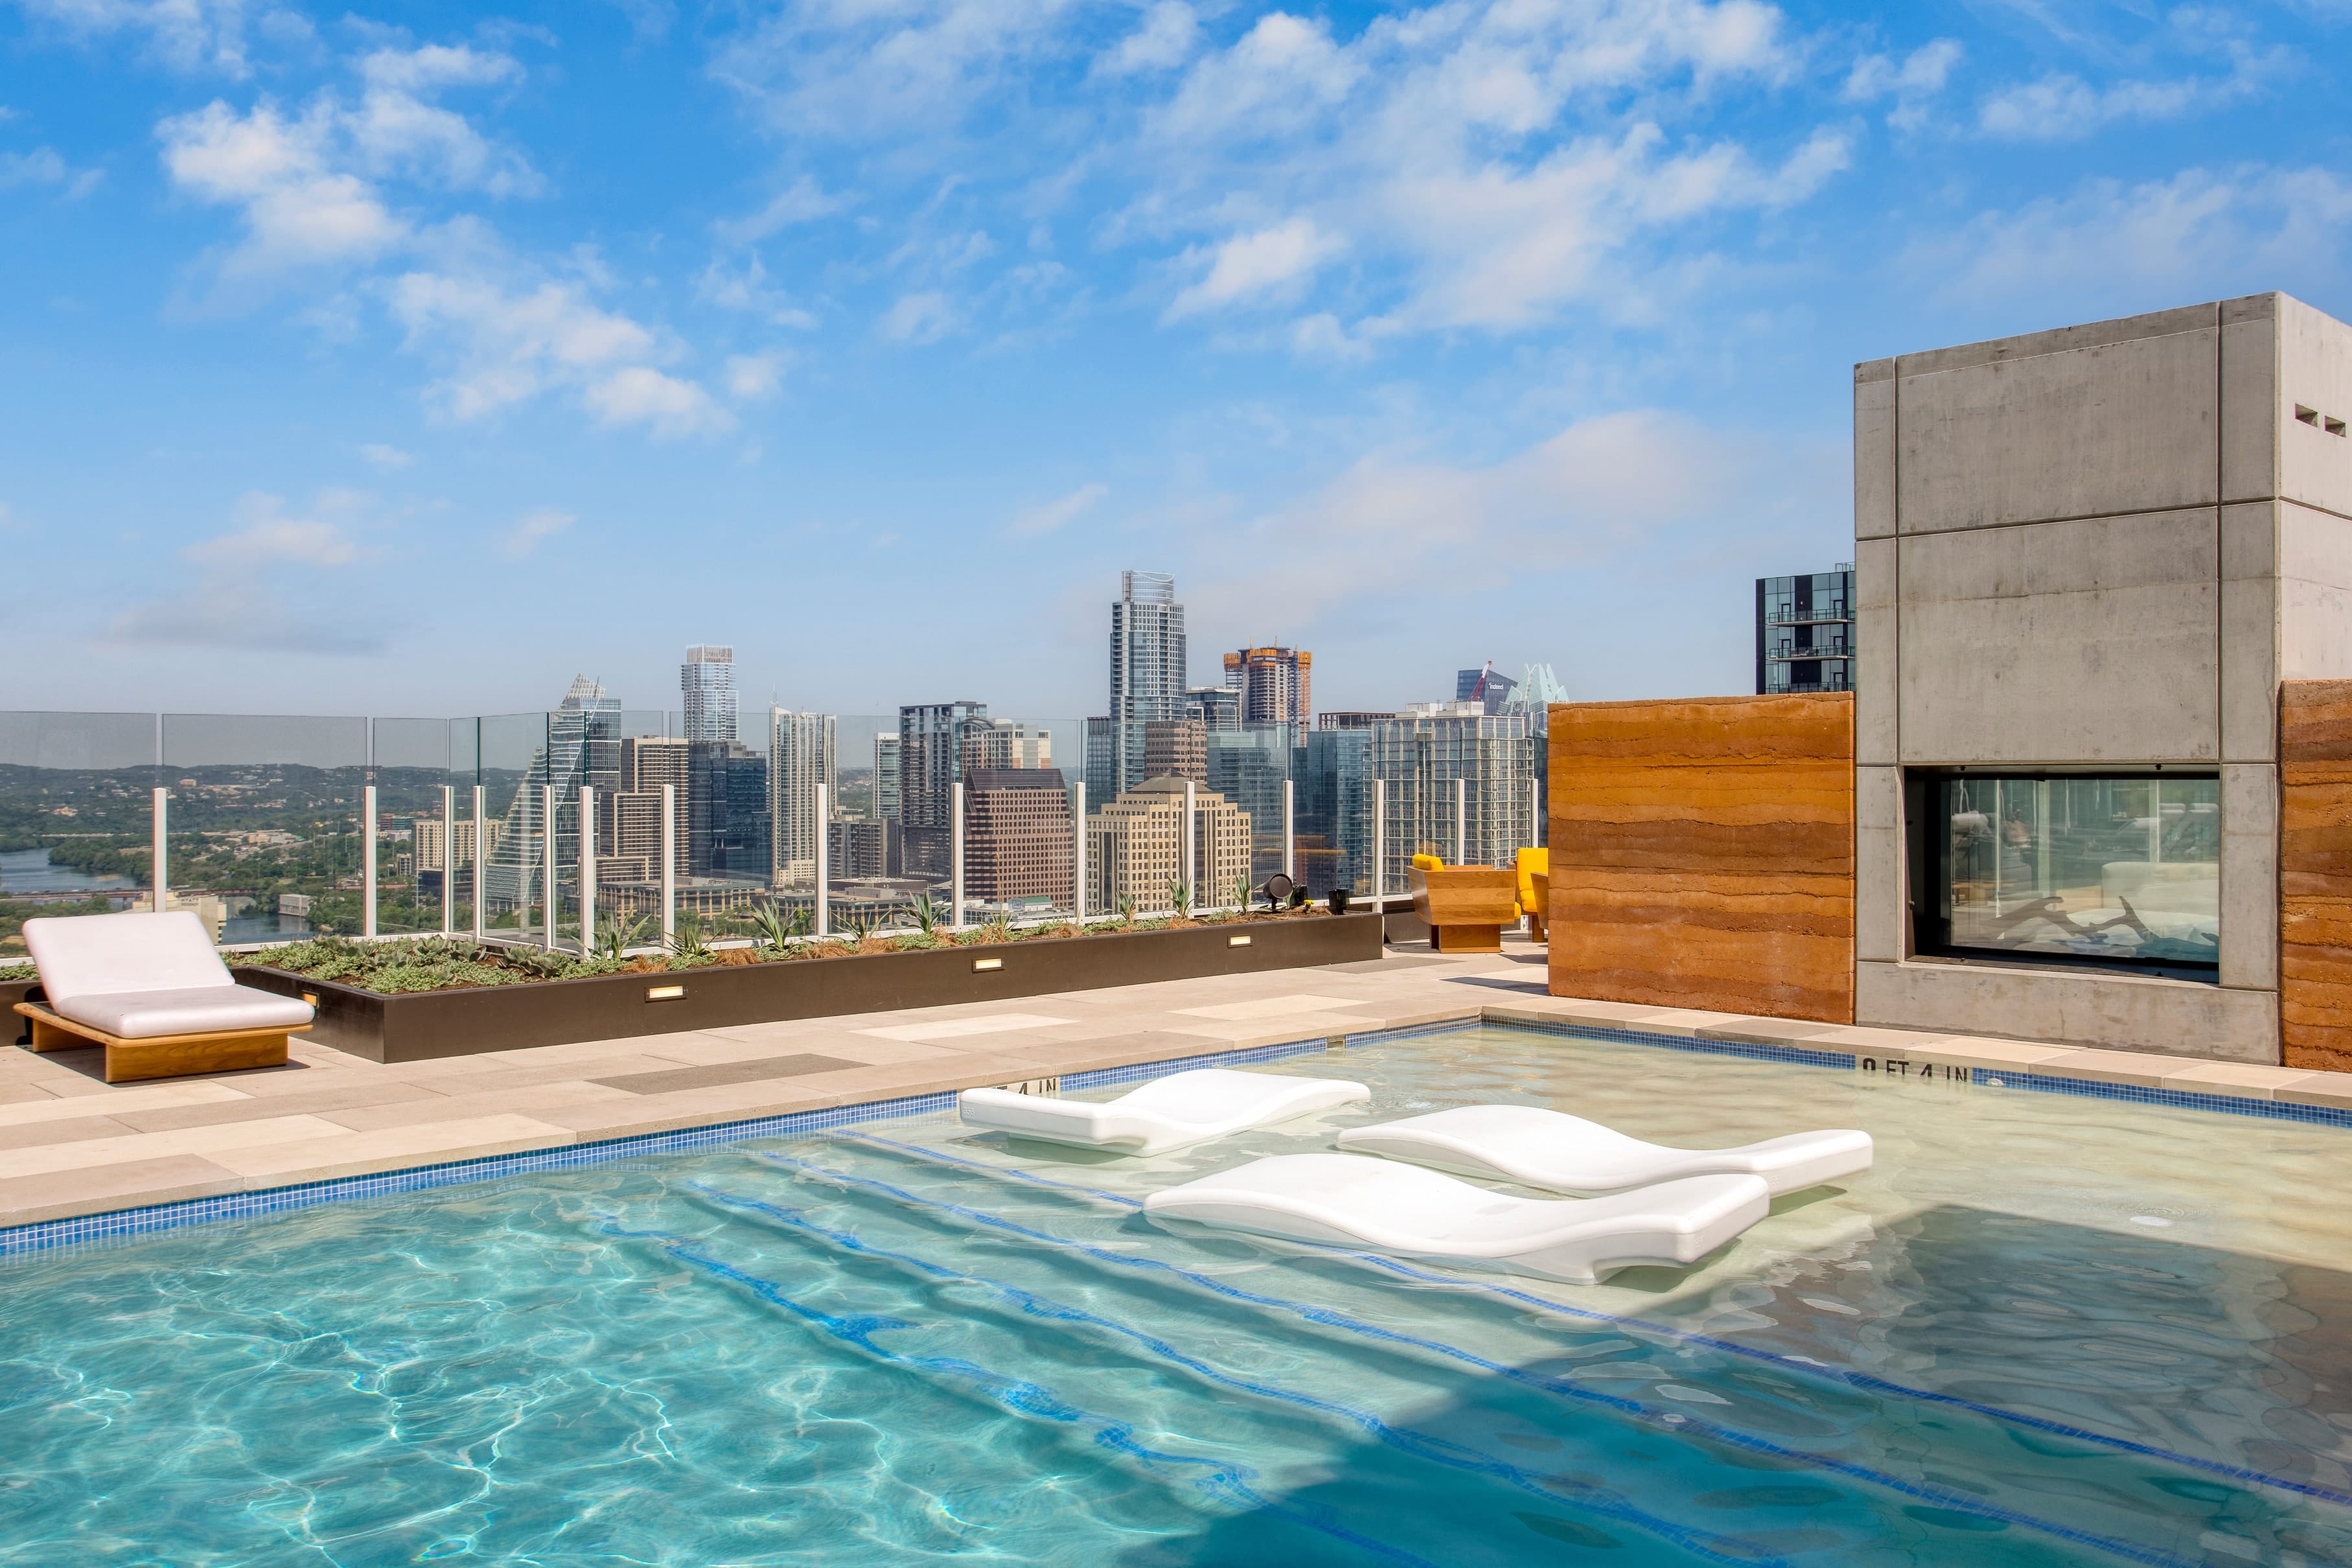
pixel 1563 1153
pixel 1172 1112
pixel 1378 1205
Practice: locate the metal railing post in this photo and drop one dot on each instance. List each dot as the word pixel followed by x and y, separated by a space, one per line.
pixel 448 859
pixel 367 860
pixel 824 864
pixel 1461 822
pixel 1534 813
pixel 955 811
pixel 162 871
pixel 1188 868
pixel 480 852
pixel 1380 841
pixel 669 864
pixel 1289 829
pixel 1078 855
pixel 587 871
pixel 547 899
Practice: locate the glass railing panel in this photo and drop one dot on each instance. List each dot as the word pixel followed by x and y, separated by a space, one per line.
pixel 76 816
pixel 267 840
pixel 512 765
pixel 416 804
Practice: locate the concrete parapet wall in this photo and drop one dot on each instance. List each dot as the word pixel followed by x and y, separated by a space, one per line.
pixel 1702 854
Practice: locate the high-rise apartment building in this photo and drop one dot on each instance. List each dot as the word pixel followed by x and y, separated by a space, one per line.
pixel 801 763
pixel 705 684
pixel 862 849
pixel 1175 748
pixel 1486 686
pixel 1353 718
pixel 1216 707
pixel 1147 679
pixel 1018 843
pixel 885 776
pixel 728 828
pixel 1135 846
pixel 931 748
pixel 1423 753
pixel 583 724
pixel 1274 683
pixel 1006 744
pixel 1804 631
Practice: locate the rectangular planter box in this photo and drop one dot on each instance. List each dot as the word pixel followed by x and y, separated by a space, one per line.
pixel 418 1025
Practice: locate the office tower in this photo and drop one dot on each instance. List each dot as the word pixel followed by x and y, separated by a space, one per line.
pixel 705 684
pixel 1100 761
pixel 726 811
pixel 801 761
pixel 1484 686
pixel 862 849
pixel 1332 809
pixel 1804 631
pixel 1006 744
pixel 628 820
pixel 586 714
pixel 931 737
pixel 1175 748
pixel 1135 846
pixel 1353 718
pixel 1017 842
pixel 1249 767
pixel 1147 676
pixel 1216 707
pixel 1272 682
pixel 885 776
pixel 1419 754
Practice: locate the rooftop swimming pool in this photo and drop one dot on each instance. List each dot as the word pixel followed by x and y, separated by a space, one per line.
pixel 2044 1329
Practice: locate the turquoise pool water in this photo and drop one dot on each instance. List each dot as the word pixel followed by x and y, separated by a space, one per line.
pixel 2044 1330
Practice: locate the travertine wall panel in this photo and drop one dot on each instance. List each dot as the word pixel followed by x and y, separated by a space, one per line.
pixel 2315 874
pixel 1702 854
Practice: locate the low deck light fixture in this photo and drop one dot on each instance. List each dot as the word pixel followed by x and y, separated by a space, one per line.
pixel 982 966
pixel 665 993
pixel 1237 941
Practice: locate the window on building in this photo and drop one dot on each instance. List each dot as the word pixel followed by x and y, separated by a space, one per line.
pixel 2107 870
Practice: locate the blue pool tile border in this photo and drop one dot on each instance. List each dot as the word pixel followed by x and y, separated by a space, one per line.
pixel 1796 1054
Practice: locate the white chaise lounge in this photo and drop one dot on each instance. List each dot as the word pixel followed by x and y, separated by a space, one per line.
pixel 152 989
pixel 1172 1112
pixel 1563 1153
pixel 1378 1205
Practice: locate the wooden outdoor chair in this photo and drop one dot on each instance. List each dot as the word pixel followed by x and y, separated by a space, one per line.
pixel 1467 907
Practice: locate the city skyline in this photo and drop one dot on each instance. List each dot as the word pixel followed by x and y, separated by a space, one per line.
pixel 357 347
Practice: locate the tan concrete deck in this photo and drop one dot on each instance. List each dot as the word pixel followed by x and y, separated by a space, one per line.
pixel 71 1144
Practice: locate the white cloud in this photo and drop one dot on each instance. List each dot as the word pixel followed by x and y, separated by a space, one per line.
pixel 1278 77
pixel 396 129
pixel 923 318
pixel 640 395
pixel 754 375
pixel 251 585
pixel 802 201
pixel 533 530
pixel 1169 32
pixel 186 34
pixel 299 209
pixel 1055 514
pixel 2063 105
pixel 1923 71
pixel 384 457
pixel 2116 248
pixel 41 166
pixel 745 286
pixel 1270 261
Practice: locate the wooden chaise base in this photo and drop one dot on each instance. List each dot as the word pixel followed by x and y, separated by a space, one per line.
pixel 161 1056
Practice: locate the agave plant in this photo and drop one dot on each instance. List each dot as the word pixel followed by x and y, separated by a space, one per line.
pixel 1179 899
pixel 1127 909
pixel 1241 892
pixel 616 935
pixel 690 941
pixel 927 913
pixel 776 927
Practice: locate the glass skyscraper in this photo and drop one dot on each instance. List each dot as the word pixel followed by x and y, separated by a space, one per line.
pixel 1147 673
pixel 706 685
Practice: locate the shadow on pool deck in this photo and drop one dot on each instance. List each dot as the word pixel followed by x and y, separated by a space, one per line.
pixel 2023 1327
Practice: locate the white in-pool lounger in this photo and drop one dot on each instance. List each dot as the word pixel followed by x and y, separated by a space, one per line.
pixel 1378 1205
pixel 1562 1153
pixel 1172 1112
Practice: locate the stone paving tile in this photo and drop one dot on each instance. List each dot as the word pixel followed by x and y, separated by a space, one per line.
pixel 632 1115
pixel 534 1101
pixel 205 1141
pixel 1285 1006
pixel 520 1073
pixel 332 1096
pixel 2332 1088
pixel 2237 1079
pixel 20 1091
pixel 803 1065
pixel 1772 1032
pixel 1982 1051
pixel 348 1153
pixel 30 1134
pixel 93 1189
pixel 130 1097
pixel 2145 1070
pixel 1217 1035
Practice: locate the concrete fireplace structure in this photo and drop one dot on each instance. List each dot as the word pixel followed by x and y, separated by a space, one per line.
pixel 2083 555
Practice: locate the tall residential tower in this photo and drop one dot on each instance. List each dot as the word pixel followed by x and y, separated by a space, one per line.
pixel 706 685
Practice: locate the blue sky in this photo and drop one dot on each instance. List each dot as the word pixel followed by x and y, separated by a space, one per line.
pixel 407 362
